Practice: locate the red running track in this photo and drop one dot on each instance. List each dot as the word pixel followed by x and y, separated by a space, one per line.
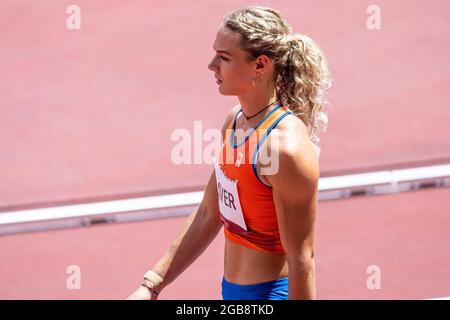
pixel 406 235
pixel 88 114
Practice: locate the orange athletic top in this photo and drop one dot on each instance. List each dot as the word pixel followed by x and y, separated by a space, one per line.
pixel 249 217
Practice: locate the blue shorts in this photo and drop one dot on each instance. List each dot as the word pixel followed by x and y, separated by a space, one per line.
pixel 272 290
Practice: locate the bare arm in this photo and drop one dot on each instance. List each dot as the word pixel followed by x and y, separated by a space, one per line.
pixel 197 233
pixel 295 192
pixel 195 236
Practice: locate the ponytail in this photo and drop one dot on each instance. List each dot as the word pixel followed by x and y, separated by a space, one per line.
pixel 302 76
pixel 302 81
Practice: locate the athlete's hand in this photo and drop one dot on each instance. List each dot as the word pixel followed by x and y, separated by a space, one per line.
pixel 143 293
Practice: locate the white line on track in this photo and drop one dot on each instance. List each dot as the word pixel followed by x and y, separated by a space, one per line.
pixel 335 186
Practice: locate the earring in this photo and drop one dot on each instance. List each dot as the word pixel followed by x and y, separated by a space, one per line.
pixel 253 80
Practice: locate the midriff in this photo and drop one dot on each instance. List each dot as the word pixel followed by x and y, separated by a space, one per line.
pixel 243 265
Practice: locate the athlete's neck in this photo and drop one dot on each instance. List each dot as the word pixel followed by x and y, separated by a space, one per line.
pixel 252 104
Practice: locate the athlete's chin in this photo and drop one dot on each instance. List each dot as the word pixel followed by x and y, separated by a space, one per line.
pixel 226 91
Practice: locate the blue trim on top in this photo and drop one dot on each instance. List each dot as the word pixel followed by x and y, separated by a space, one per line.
pixel 234 126
pixel 254 129
pixel 261 141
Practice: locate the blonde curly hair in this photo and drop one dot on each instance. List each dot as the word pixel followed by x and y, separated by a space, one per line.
pixel 302 75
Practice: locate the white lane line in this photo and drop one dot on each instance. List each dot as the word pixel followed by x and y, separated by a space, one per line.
pixel 441 298
pixel 193 198
pixel 384 177
pixel 101 208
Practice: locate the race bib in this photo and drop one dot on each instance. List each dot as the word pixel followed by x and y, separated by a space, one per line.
pixel 229 204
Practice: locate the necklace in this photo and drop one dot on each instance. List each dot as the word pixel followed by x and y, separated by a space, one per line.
pixel 258 111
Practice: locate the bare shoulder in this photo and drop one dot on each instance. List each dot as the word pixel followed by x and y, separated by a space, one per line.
pixel 293 136
pixel 232 113
pixel 230 116
pixel 298 160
